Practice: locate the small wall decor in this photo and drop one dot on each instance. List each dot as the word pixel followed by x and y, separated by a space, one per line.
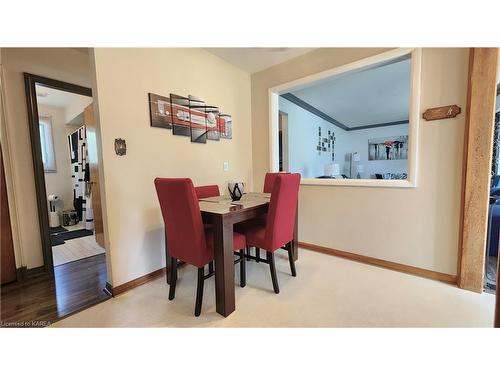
pixel 439 113
pixel 120 147
pixel 159 111
pixel 326 144
pixel 190 117
pixel 388 148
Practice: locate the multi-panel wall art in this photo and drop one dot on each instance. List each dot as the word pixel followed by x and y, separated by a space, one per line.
pixel 326 142
pixel 190 117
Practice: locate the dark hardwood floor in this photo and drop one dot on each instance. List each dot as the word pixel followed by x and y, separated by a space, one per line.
pixel 41 300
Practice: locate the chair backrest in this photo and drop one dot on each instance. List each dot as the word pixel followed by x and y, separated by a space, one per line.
pixel 207 191
pixel 282 209
pixel 269 180
pixel 182 217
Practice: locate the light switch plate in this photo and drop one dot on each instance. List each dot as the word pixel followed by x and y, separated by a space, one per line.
pixel 226 166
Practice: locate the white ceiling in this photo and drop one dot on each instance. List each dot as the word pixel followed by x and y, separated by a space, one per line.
pixel 372 96
pixel 54 97
pixel 254 60
pixel 72 104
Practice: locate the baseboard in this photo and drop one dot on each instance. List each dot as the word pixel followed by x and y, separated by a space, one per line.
pixel 136 282
pixel 451 279
pixel 23 272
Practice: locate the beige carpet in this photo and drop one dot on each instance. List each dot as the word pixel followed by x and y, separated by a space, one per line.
pixel 328 292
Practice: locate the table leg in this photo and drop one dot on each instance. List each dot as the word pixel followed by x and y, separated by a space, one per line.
pixel 224 266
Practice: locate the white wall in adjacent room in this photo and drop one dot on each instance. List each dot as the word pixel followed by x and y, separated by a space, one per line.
pixel 59 182
pixel 303 139
pixel 357 141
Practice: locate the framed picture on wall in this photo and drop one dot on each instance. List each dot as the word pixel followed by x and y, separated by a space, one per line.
pixel 181 120
pixel 197 117
pixel 160 111
pixel 388 148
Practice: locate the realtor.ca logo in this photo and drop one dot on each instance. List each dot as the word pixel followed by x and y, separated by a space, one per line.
pixel 28 323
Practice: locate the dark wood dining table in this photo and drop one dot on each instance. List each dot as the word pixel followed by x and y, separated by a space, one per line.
pixel 223 213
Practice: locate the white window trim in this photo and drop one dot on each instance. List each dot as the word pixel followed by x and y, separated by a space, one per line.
pixel 413 127
pixel 48 120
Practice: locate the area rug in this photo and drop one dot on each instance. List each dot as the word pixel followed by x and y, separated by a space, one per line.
pixel 58 229
pixel 59 238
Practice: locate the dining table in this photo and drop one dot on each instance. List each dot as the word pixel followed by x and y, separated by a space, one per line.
pixel 222 213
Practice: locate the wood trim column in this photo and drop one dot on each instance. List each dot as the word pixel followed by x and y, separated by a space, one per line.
pixel 481 98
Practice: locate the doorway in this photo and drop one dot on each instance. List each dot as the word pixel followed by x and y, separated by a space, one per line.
pixel 64 149
pixel 283 141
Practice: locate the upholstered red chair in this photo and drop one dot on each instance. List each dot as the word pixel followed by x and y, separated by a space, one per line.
pixel 278 228
pixel 269 182
pixel 207 191
pixel 188 240
pixel 268 188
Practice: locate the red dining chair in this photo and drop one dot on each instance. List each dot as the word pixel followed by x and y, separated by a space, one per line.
pixel 268 188
pixel 269 182
pixel 278 228
pixel 188 240
pixel 207 191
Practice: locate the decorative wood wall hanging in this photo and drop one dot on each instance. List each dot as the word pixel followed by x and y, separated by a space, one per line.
pixel 189 117
pixel 439 113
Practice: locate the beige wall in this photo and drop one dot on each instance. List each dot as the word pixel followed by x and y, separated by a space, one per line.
pixel 417 226
pixel 59 182
pixel 135 237
pixel 63 64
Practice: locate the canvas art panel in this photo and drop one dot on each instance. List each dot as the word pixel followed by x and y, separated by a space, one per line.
pixel 160 111
pixel 197 117
pixel 213 132
pixel 388 148
pixel 181 120
pixel 225 126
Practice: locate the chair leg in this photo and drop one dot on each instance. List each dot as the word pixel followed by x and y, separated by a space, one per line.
pixel 173 278
pixel 272 265
pixel 211 267
pixel 257 254
pixel 168 267
pixel 292 262
pixel 243 271
pixel 199 291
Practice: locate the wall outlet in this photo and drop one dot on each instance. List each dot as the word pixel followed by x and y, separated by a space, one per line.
pixel 225 166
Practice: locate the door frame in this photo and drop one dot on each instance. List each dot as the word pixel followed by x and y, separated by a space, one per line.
pixel 30 81
pixel 478 150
